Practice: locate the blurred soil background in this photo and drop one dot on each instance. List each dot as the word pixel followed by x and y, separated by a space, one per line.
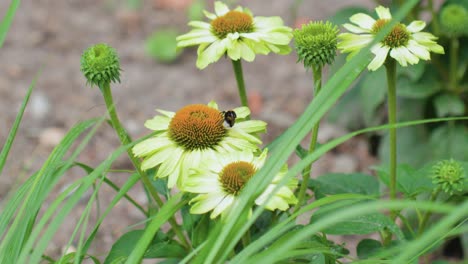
pixel 52 34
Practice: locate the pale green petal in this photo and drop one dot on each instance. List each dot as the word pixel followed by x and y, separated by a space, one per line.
pixel 237 133
pixel 170 164
pixel 151 145
pixel 223 205
pixel 260 160
pixel 158 123
pixel 355 29
pixel 200 24
pixel 419 50
pixel 251 126
pixel 211 54
pixel 201 182
pixel 205 202
pixel 206 38
pixel 381 53
pixel 416 26
pixel 220 8
pixel 398 55
pixel 209 15
pixel 166 113
pixel 262 23
pixel 213 104
pixel 234 51
pixel 174 175
pixel 255 36
pixel 283 49
pixel 276 38
pixel 423 37
pixel 157 158
pixel 246 52
pixel 351 42
pixel 383 12
pixel 410 57
pixel 436 48
pixel 242 112
pixel 363 20
pixel 192 159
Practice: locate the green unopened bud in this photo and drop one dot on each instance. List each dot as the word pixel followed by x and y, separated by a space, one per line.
pixel 448 175
pixel 316 43
pixel 100 65
pixel 454 20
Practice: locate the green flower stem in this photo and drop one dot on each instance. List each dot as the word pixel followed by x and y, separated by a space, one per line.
pixel 126 196
pixel 317 74
pixel 125 140
pixel 454 47
pixel 390 66
pixel 427 214
pixel 237 65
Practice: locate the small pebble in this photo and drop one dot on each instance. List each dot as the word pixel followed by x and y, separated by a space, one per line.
pixel 51 136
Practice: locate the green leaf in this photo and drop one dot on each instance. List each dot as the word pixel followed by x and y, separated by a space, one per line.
pixel 449 141
pixel 162 45
pixel 373 91
pixel 410 181
pixel 368 247
pixel 360 225
pixel 414 73
pixel 122 248
pixel 337 183
pixel 427 86
pixel 449 105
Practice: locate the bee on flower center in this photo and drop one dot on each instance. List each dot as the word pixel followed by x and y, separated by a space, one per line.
pixel 229 118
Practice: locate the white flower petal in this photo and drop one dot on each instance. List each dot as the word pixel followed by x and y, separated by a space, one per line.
pixel 355 29
pixel 419 50
pixel 166 113
pixel 158 123
pixel 170 164
pixel 205 202
pixel 242 112
pixel 383 12
pixel 213 104
pixel 251 126
pixel 399 55
pixel 363 20
pixel 352 42
pixel 151 145
pixel 201 182
pixel 209 15
pixel 416 26
pixel 220 8
pixel 211 54
pixel 157 158
pixel 199 24
pixel 380 52
pixel 223 205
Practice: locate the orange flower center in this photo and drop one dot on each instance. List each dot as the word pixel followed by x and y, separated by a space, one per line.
pixel 398 36
pixel 233 21
pixel 197 127
pixel 235 175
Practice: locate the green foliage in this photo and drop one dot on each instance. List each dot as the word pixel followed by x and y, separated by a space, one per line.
pixel 162 45
pixel 342 204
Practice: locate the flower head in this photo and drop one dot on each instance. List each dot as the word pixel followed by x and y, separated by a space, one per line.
pixel 236 32
pixel 449 175
pixel 454 20
pixel 193 134
pixel 100 65
pixel 316 43
pixel 406 44
pixel 219 182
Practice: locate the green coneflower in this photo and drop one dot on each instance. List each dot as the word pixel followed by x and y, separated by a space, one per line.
pixel 449 175
pixel 236 33
pixel 218 183
pixel 454 20
pixel 406 44
pixel 100 65
pixel 193 134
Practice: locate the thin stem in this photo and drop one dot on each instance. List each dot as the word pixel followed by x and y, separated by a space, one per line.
pixel 391 81
pixel 427 214
pixel 125 140
pixel 454 47
pixel 317 74
pixel 237 65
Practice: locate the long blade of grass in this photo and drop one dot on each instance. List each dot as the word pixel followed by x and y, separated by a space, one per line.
pixel 12 134
pixel 269 256
pixel 43 182
pixel 221 240
pixel 6 22
pixel 165 212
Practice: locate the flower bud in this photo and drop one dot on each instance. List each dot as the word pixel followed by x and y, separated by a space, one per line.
pixel 454 20
pixel 316 43
pixel 100 65
pixel 448 175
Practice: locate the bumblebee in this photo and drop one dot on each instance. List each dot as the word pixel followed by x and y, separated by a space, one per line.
pixel 229 118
